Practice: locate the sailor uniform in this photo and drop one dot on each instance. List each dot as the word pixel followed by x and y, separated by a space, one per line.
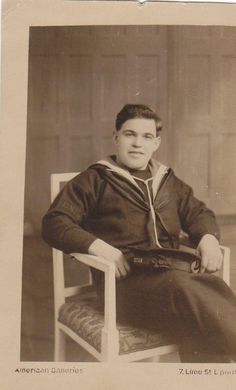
pixel 148 210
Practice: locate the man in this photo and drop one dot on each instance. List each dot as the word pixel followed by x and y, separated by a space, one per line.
pixel 131 202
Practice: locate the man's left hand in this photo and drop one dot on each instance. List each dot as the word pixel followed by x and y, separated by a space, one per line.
pixel 211 254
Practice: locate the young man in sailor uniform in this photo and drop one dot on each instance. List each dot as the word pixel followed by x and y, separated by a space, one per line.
pixel 129 202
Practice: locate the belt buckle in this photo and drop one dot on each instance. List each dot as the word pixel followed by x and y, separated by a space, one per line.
pixel 155 263
pixel 138 260
pixel 161 262
pixel 195 266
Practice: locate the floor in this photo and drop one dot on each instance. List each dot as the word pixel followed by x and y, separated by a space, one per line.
pixel 37 299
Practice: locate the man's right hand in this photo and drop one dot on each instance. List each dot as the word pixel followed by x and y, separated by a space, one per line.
pixel 102 249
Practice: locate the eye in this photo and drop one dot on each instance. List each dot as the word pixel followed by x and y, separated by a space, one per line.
pixel 128 134
pixel 148 136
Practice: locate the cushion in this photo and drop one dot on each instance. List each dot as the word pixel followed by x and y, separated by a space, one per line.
pixel 86 320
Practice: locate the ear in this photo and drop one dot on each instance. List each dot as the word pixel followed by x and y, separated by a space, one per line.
pixel 157 143
pixel 115 136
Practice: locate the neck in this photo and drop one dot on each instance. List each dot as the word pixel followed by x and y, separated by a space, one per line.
pixel 121 165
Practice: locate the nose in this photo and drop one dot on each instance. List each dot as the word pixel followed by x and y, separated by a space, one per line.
pixel 137 141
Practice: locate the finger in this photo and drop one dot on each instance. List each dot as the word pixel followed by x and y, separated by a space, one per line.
pixel 220 261
pixel 118 275
pixel 119 270
pixel 126 266
pixel 203 266
pixel 122 270
pixel 215 263
pixel 211 267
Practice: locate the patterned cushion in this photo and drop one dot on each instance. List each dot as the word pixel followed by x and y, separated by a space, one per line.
pixel 85 319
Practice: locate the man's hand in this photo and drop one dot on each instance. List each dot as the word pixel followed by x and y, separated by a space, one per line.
pixel 102 249
pixel 210 252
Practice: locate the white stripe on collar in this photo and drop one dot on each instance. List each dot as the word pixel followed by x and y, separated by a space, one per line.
pixel 162 171
pixel 113 167
pixel 158 171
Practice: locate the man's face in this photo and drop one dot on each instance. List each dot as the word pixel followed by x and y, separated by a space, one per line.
pixel 135 142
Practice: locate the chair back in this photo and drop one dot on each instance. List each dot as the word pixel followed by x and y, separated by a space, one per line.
pixel 56 181
pixel 61 292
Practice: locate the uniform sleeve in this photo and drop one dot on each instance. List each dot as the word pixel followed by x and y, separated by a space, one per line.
pixel 196 219
pixel 62 225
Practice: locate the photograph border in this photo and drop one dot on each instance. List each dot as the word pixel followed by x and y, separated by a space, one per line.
pixel 17 17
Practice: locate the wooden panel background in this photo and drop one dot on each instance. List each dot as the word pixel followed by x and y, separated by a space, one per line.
pixel 80 77
pixel 204 106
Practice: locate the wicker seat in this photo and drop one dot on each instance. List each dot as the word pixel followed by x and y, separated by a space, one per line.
pixel 87 321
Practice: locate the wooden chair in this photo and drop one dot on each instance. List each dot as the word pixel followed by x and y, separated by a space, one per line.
pixel 81 319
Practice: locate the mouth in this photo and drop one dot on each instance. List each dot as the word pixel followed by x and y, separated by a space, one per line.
pixel 136 153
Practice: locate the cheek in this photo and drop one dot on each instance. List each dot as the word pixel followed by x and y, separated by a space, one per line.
pixel 150 148
pixel 121 149
pixel 123 144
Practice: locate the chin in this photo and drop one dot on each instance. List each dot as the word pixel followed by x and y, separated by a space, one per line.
pixel 138 167
pixel 133 163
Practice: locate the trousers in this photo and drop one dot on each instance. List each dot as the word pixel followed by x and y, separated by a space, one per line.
pixel 197 311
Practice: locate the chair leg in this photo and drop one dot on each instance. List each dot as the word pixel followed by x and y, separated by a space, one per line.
pixel 60 346
pixel 154 359
pixel 172 357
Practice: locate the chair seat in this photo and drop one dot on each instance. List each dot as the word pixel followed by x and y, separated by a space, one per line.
pixel 86 320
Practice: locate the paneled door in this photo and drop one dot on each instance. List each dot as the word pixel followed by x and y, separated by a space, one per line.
pixel 204 112
pixel 79 78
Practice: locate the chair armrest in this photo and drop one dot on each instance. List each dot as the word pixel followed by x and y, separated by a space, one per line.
pixel 108 268
pixel 94 261
pixel 226 264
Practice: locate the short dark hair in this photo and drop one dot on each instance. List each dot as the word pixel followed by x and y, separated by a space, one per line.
pixel 132 111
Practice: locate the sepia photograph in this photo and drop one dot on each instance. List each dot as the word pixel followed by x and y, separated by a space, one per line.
pixel 118 161
pixel 140 121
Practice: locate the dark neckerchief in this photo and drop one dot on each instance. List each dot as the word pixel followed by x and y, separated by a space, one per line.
pixel 141 174
pixel 144 175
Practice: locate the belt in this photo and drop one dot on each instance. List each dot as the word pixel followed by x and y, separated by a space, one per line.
pixel 167 259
